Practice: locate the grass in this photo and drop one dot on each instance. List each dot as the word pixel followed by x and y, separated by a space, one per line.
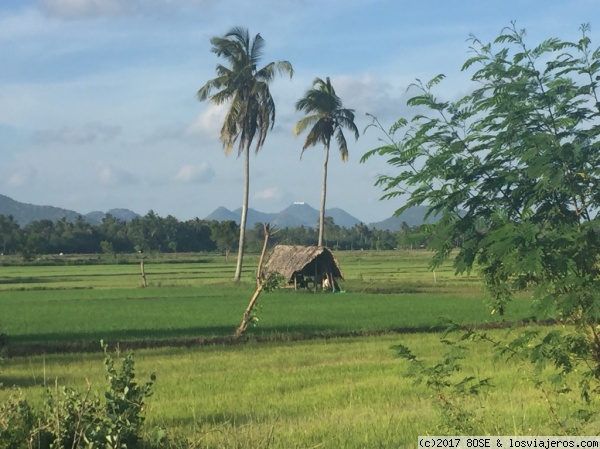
pixel 345 392
pixel 154 313
pixel 81 304
pixel 364 267
pixel 322 392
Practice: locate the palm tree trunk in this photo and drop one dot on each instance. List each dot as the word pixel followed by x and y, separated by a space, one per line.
pixel 323 197
pixel 238 268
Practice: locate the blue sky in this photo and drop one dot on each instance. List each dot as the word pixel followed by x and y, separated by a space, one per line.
pixel 98 107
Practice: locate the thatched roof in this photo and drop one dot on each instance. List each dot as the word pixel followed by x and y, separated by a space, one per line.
pixel 308 260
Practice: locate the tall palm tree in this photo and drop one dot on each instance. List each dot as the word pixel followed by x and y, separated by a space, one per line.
pixel 251 112
pixel 327 117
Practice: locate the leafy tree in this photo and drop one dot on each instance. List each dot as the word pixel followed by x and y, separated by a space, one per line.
pixel 255 238
pixel 194 236
pixel 512 170
pixel 171 229
pixel 224 233
pixel 9 234
pixel 362 235
pixel 82 237
pixel 36 238
pixel 114 232
pixel 251 112
pixel 328 117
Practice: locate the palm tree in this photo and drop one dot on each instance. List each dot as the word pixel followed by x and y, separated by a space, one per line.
pixel 328 118
pixel 251 112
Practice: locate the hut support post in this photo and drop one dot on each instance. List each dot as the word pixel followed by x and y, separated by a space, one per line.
pixel 247 317
pixel 331 281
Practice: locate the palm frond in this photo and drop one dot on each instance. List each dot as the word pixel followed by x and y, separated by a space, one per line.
pixel 342 144
pixel 304 123
pixel 251 112
pixel 346 120
pixel 319 133
pixel 256 49
pixel 327 116
pixel 268 72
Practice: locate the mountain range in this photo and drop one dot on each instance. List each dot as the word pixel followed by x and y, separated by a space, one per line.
pixel 24 213
pixel 297 214
pixel 301 214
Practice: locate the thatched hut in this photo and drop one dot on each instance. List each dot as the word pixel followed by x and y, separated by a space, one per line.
pixel 300 265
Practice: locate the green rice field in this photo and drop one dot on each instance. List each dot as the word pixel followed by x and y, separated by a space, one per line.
pixel 319 370
pixel 82 304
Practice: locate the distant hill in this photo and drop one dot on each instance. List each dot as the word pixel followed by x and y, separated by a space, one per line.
pixel 295 215
pixel 342 218
pixel 223 214
pixel 95 218
pixel 254 216
pixel 413 216
pixel 25 213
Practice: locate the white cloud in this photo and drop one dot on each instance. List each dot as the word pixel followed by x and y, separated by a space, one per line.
pixel 71 135
pixel 270 194
pixel 209 121
pixel 110 175
pixel 197 174
pixel 372 94
pixel 84 9
pixel 90 9
pixel 20 177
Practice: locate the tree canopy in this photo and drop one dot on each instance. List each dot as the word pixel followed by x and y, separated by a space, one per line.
pixel 512 169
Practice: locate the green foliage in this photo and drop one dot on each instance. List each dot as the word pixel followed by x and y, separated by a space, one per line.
pixel 555 361
pixel 17 423
pixel 106 247
pixel 224 234
pixel 251 112
pixel 544 358
pixel 71 419
pixel 125 400
pixel 156 235
pixel 512 170
pixel 450 393
pixel 9 234
pixel 273 282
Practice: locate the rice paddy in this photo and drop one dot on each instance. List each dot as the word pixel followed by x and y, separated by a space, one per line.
pixel 317 370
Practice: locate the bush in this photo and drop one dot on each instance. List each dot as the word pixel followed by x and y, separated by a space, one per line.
pixel 17 423
pixel 71 419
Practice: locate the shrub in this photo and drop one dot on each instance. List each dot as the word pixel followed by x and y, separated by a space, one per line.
pixel 71 419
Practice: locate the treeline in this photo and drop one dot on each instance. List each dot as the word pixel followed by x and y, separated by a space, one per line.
pixel 152 233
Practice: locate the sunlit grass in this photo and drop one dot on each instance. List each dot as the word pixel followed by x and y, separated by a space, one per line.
pixel 327 392
pixel 348 392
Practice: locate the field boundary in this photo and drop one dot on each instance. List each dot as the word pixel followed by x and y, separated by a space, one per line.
pixel 23 350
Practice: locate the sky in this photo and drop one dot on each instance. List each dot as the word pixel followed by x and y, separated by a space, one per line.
pixel 98 105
